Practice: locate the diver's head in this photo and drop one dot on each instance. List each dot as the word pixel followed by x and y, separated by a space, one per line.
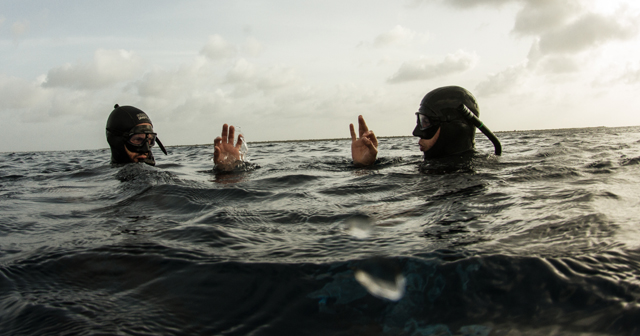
pixel 442 129
pixel 130 135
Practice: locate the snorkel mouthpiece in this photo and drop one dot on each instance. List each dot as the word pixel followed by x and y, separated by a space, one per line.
pixel 467 114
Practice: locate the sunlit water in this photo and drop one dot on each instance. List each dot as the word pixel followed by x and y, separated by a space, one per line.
pixel 542 240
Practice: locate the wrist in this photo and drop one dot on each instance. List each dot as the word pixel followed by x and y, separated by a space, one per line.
pixel 228 165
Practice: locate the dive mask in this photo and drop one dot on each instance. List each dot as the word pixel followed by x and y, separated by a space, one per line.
pixel 141 138
pixel 426 126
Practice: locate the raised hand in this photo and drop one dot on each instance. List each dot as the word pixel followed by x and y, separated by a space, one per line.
pixel 365 149
pixel 225 155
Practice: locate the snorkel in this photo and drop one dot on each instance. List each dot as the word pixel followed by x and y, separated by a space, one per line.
pixel 467 114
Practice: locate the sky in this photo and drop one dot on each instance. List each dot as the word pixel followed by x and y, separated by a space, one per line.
pixel 293 70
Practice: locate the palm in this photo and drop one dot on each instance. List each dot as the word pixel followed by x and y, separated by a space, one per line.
pixel 225 154
pixel 362 154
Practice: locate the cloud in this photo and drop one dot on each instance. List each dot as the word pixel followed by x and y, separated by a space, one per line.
pixel 167 85
pixel 217 48
pixel 276 77
pixel 631 75
pixel 107 68
pixel 543 15
pixel 198 104
pixel 426 69
pixel 569 27
pixel 19 29
pixel 501 82
pixel 564 26
pixel 32 103
pixel 397 35
pixel 460 3
pixel 559 65
pixel 17 93
pixel 192 82
pixel 242 71
pixel 590 30
pixel 252 47
pixel 476 3
pixel 567 34
pixel 250 78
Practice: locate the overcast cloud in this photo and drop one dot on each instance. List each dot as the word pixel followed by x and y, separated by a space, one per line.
pixel 217 48
pixel 563 31
pixel 588 31
pixel 107 68
pixel 398 36
pixel 280 71
pixel 423 69
pixel 19 29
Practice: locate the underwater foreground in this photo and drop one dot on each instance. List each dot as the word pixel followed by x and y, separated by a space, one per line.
pixel 543 240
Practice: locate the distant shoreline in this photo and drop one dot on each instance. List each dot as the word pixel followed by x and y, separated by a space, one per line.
pixel 343 139
pixel 411 136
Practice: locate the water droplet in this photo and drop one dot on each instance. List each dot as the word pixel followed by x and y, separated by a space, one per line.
pixel 381 278
pixel 390 290
pixel 359 227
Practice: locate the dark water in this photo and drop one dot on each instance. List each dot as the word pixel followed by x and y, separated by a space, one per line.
pixel 544 240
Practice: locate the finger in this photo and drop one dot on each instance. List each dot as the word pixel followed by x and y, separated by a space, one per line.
pixel 216 149
pixel 232 133
pixel 362 126
pixel 225 133
pixel 373 138
pixel 370 145
pixel 353 133
pixel 216 153
pixel 240 141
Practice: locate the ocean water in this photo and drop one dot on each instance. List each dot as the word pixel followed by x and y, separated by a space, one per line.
pixel 544 240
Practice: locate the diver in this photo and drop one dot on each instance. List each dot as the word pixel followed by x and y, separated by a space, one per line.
pixel 446 124
pixel 226 156
pixel 130 136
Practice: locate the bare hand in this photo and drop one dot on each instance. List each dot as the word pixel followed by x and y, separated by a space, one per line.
pixel 225 155
pixel 364 150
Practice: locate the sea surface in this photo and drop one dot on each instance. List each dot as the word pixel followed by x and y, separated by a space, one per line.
pixel 543 240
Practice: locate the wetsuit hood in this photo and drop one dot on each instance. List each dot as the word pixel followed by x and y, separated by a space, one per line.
pixel 441 107
pixel 121 121
pixel 442 102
